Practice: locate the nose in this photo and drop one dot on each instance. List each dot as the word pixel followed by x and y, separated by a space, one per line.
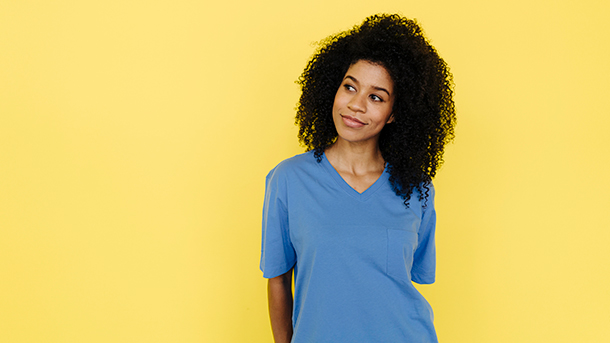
pixel 357 103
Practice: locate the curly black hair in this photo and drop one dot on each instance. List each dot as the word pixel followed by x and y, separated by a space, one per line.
pixel 424 112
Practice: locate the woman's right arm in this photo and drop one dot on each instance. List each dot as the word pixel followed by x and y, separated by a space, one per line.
pixel 279 292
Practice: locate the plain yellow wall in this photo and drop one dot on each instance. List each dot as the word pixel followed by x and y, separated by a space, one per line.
pixel 135 137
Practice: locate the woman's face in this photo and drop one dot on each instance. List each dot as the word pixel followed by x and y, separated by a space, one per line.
pixel 363 103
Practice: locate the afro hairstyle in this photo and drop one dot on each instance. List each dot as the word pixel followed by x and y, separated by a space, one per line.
pixel 424 112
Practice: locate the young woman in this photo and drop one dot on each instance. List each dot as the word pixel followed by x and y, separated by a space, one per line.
pixel 353 218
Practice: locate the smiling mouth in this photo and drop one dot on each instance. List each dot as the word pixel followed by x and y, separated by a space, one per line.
pixel 352 121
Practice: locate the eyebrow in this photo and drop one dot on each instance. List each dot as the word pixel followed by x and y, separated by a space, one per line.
pixel 377 88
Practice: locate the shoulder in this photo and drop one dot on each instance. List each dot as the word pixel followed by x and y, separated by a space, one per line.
pixel 292 174
pixel 422 198
pixel 427 203
pixel 425 188
pixel 428 190
pixel 294 165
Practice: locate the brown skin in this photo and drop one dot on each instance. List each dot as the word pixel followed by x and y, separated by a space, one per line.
pixel 362 107
pixel 279 292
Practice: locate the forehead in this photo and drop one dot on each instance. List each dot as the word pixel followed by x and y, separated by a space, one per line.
pixel 370 74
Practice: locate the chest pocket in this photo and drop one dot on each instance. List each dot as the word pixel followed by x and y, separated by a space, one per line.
pixel 401 247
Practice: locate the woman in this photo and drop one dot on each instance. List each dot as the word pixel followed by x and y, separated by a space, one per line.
pixel 353 218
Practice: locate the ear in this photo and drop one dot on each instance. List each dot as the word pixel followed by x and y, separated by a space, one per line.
pixel 391 119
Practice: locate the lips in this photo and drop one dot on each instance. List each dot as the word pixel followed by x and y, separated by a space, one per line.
pixel 352 122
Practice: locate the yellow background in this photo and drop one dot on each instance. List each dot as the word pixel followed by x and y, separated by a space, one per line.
pixel 135 137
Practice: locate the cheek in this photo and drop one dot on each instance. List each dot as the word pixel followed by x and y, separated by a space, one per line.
pixel 336 109
pixel 388 113
pixel 341 99
pixel 337 102
pixel 384 115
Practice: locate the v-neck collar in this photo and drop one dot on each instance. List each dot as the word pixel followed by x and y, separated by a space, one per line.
pixel 347 188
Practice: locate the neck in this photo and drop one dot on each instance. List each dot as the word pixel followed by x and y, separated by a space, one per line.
pixel 357 158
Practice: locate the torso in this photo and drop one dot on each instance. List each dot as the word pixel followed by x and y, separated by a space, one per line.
pixel 354 252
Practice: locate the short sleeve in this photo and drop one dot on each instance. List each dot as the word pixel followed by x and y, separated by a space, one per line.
pixel 424 259
pixel 277 253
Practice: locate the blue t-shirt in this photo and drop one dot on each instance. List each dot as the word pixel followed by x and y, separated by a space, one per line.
pixel 354 254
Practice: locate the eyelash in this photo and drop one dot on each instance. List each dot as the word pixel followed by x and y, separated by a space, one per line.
pixel 376 98
pixel 373 96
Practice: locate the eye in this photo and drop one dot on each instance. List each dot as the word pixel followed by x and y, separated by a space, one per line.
pixel 349 87
pixel 376 98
